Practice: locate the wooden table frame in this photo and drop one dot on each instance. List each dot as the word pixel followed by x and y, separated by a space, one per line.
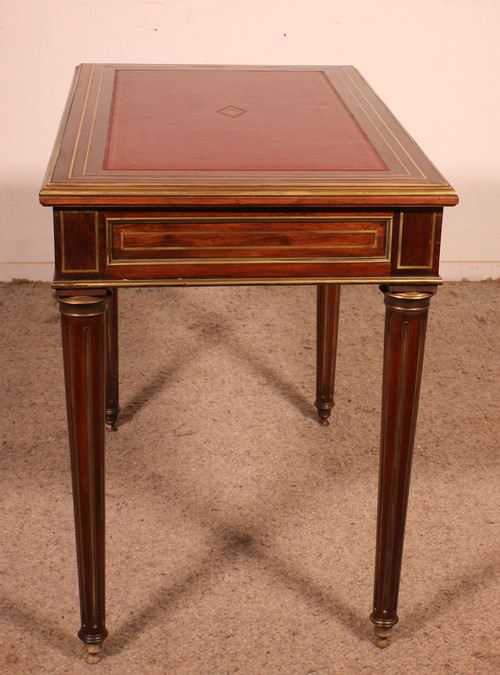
pixel 369 211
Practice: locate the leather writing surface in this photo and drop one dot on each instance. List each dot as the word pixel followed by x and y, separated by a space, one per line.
pixel 217 120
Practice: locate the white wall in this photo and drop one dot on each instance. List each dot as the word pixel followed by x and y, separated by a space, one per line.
pixel 434 62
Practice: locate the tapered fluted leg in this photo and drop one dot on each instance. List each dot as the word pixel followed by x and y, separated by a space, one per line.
pixel 83 323
pixel 405 325
pixel 112 402
pixel 326 350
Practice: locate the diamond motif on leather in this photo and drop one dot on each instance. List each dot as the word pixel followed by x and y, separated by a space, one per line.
pixel 232 111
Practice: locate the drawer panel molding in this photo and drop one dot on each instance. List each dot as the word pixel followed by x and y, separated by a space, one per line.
pixel 248 239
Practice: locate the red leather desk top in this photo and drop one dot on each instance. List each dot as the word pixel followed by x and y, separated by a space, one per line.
pixel 226 120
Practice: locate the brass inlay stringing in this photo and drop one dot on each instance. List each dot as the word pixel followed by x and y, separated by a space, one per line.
pixel 384 222
pixel 127 262
pixel 80 126
pixel 123 247
pixel 90 472
pixel 91 133
pixel 63 246
pixel 433 243
pixel 422 174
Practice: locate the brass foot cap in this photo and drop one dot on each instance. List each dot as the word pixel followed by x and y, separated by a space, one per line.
pixel 94 653
pixel 382 637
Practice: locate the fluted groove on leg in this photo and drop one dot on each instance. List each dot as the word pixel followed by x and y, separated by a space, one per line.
pixel 328 305
pixel 112 389
pixel 405 327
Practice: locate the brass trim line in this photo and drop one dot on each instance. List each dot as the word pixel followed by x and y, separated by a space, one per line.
pixel 330 189
pixel 386 222
pixel 245 248
pixel 383 444
pixel 241 281
pixel 433 245
pixel 62 127
pixel 169 262
pixel 90 471
pixel 84 170
pixel 417 167
pixel 80 126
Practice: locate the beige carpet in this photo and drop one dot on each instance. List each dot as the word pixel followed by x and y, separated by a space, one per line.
pixel 240 532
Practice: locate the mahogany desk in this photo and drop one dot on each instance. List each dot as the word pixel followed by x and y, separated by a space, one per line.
pixel 205 175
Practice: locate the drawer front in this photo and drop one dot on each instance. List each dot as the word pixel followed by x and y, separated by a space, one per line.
pixel 240 240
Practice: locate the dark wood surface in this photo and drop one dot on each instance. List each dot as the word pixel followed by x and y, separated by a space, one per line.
pixel 206 175
pixel 106 247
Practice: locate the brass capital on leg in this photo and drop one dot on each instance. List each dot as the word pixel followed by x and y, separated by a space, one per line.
pixel 405 326
pixel 81 306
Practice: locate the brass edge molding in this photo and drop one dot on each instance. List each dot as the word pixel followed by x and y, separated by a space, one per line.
pixel 65 269
pixel 250 281
pixel 239 181
pixel 332 189
pixel 433 245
